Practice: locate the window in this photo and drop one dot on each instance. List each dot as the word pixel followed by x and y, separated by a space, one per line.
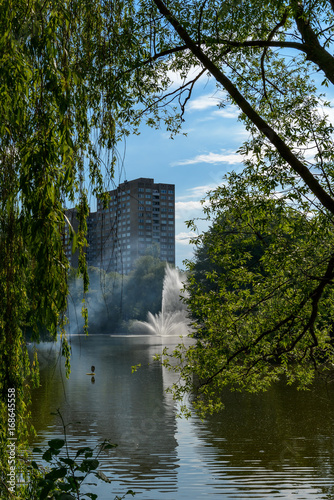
pixel 170 191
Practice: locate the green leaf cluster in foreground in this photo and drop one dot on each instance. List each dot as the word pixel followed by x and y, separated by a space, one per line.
pixel 260 290
pixel 64 476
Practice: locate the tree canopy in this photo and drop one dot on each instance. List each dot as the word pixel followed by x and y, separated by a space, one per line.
pixel 274 61
pixel 75 77
pixel 59 112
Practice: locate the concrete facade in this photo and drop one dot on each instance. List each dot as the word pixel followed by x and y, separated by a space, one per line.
pixel 138 219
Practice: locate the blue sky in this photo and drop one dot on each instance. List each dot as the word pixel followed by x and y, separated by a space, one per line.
pixel 195 163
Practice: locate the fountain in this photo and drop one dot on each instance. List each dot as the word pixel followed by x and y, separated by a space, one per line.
pixel 173 317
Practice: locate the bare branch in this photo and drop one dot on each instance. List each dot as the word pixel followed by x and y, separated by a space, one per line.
pixel 270 37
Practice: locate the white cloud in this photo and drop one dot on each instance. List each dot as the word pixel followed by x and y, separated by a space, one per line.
pixel 203 102
pixel 184 238
pixel 186 209
pixel 197 192
pixel 227 112
pixel 213 158
pixel 177 79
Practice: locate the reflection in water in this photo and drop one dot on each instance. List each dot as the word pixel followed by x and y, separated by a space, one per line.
pixel 273 445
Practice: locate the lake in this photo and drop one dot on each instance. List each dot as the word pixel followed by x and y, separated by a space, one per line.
pixel 274 445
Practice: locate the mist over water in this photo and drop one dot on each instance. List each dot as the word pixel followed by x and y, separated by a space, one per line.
pixel 113 300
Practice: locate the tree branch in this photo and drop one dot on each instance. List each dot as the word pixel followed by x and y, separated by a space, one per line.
pixel 332 4
pixel 315 296
pixel 315 52
pixel 283 149
pixel 270 37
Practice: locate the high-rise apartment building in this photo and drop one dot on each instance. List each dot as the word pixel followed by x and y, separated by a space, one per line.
pixel 138 219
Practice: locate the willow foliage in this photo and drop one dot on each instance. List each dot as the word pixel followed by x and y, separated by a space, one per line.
pixel 59 109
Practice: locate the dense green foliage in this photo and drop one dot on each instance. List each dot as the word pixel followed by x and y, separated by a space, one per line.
pixel 273 316
pixel 59 111
pixel 268 309
pixel 76 76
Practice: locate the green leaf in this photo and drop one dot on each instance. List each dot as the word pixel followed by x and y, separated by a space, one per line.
pixel 56 473
pixel 88 465
pixel 83 450
pixel 66 496
pixel 56 444
pixel 68 461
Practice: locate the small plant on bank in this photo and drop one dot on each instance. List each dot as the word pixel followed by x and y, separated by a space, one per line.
pixel 65 475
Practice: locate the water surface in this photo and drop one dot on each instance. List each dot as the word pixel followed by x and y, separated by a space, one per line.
pixel 274 445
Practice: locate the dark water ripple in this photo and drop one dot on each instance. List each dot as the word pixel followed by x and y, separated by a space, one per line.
pixel 275 445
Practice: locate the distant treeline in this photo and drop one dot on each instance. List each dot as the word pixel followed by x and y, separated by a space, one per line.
pixel 114 300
